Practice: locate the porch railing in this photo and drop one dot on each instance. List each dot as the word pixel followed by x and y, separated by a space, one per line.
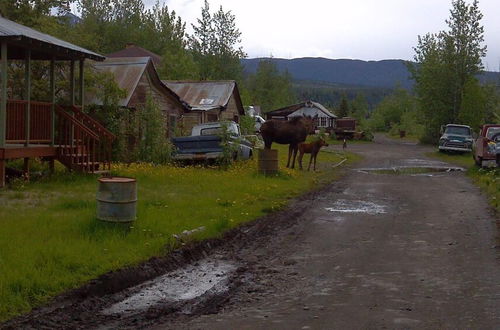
pixel 40 122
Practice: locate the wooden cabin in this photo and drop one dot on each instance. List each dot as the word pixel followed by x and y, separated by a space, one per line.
pixel 208 101
pixel 139 78
pixel 31 128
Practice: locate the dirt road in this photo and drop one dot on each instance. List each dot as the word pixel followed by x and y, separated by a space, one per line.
pixel 376 249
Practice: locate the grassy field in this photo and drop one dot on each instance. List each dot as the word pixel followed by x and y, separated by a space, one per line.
pixel 50 240
pixel 487 179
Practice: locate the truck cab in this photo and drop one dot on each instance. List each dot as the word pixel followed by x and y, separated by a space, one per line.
pixel 486 146
pixel 456 138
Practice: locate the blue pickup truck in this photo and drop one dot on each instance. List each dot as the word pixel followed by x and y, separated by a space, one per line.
pixel 204 142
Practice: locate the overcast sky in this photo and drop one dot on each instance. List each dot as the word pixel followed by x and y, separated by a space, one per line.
pixel 355 29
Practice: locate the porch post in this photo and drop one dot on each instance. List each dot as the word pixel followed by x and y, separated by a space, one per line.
pixel 72 99
pixel 27 96
pixel 72 83
pixel 81 76
pixel 52 101
pixel 3 98
pixel 3 107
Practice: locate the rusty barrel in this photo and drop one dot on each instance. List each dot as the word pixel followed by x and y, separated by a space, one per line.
pixel 268 161
pixel 117 199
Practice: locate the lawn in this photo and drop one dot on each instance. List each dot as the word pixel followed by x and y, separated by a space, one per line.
pixel 50 240
pixel 487 179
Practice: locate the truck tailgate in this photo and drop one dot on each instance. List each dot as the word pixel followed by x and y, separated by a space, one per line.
pixel 197 144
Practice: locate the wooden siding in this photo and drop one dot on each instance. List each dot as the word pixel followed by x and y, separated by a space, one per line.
pixel 167 104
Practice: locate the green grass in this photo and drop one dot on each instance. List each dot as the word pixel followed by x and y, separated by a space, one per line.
pixel 50 240
pixel 487 179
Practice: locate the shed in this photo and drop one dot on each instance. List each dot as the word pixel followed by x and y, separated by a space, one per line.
pixel 208 100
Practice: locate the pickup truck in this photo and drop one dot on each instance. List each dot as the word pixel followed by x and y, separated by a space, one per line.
pixel 204 143
pixel 456 138
pixel 486 149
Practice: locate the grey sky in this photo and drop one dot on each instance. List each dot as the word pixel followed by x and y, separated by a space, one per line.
pixel 356 29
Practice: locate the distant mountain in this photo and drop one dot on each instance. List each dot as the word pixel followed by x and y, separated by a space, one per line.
pixel 381 74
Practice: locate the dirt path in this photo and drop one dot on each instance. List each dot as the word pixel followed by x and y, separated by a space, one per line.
pixel 377 251
pixel 372 250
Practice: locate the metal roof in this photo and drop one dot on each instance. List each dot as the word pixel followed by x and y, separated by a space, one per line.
pixel 43 46
pixel 128 72
pixel 132 50
pixel 203 95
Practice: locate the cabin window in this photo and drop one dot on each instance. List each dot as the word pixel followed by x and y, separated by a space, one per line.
pixel 323 122
pixel 212 117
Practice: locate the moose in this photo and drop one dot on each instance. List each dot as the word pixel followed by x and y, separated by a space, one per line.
pixel 292 132
pixel 313 149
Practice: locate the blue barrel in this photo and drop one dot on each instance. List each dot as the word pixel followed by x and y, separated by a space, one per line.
pixel 117 199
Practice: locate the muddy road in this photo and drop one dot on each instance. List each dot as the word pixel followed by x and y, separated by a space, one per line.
pixel 381 248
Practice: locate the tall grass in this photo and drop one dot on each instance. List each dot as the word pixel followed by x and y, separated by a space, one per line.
pixel 50 240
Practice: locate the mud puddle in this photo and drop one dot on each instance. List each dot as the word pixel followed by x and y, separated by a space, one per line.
pixel 356 206
pixel 188 283
pixel 414 171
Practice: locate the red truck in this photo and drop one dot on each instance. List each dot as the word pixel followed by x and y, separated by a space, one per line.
pixel 484 149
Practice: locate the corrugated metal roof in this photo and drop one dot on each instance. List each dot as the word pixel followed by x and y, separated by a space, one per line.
pixel 203 95
pixel 127 72
pixel 136 51
pixel 10 30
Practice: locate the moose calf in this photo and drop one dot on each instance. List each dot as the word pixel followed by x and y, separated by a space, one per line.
pixel 311 148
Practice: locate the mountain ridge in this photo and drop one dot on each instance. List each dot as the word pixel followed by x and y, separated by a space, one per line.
pixel 387 73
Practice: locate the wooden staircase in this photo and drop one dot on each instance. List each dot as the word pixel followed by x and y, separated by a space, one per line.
pixel 83 144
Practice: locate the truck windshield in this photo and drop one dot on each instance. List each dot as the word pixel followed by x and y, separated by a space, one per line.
pixel 457 130
pixel 492 131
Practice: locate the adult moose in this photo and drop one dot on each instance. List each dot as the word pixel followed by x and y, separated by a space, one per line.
pixel 291 132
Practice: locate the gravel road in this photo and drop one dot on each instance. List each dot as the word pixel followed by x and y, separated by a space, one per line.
pixel 376 251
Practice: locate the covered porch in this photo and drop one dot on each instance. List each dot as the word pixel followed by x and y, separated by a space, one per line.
pixel 31 128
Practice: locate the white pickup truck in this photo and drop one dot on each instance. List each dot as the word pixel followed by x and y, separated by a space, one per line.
pixel 204 142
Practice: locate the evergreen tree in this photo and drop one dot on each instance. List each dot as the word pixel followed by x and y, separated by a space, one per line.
pixel 343 107
pixel 270 88
pixel 215 45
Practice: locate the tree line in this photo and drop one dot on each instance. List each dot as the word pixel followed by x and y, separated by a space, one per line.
pixel 445 70
pixel 211 52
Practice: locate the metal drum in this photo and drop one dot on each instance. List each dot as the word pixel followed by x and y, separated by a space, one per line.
pixel 268 161
pixel 117 199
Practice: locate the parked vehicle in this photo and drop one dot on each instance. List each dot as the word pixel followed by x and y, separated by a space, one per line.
pixel 258 122
pixel 456 138
pixel 204 142
pixel 487 146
